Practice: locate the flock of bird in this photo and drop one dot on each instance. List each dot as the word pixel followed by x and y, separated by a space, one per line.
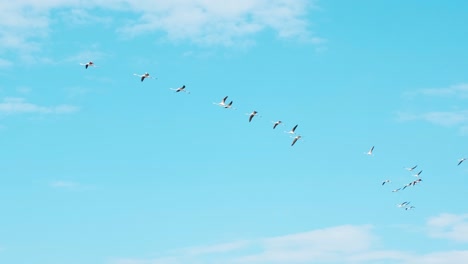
pixel 406 204
pixel 222 103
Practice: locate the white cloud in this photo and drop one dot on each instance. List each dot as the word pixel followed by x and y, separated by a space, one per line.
pixel 446 257
pixel 449 226
pixel 220 248
pixel 25 23
pixel 458 90
pixel 5 63
pixel 457 116
pixel 447 118
pixel 319 245
pixel 64 184
pixel 348 244
pixel 216 22
pixel 13 105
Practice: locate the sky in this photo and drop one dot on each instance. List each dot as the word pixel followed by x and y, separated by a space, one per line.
pixel 99 167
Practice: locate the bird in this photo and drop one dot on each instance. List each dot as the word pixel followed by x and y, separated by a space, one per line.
pixel 254 113
pixel 396 190
pixel 292 130
pixel 275 124
pixel 180 89
pixel 415 181
pixel 296 138
pixel 412 168
pixel 461 160
pixel 370 151
pixel 223 102
pixel 417 174
pixel 386 181
pixel 404 187
pixel 143 76
pixel 403 204
pixel 409 207
pixel 87 64
pixel 229 105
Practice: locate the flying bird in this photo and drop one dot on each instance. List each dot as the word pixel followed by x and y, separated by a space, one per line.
pixel 370 151
pixel 403 204
pixel 296 138
pixel 461 160
pixel 229 105
pixel 292 130
pixel 143 76
pixel 180 89
pixel 396 190
pixel 386 181
pixel 254 113
pixel 275 124
pixel 87 64
pixel 412 168
pixel 223 102
pixel 417 174
pixel 409 207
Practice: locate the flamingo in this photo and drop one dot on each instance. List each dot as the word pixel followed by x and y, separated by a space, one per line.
pixel 88 64
pixel 417 174
pixel 403 204
pixel 370 151
pixel 251 115
pixel 292 130
pixel 143 76
pixel 275 124
pixel 223 102
pixel 406 186
pixel 229 105
pixel 461 160
pixel 295 140
pixel 180 89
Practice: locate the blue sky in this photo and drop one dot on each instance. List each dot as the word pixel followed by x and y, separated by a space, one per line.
pixel 100 168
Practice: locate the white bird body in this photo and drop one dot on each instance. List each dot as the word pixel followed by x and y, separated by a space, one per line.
pixel 370 152
pixel 292 131
pixel 251 115
pixel 143 76
pixel 417 174
pixel 296 138
pixel 180 89
pixel 275 124
pixel 222 103
pixel 403 204
pixel 88 64
pixel 229 106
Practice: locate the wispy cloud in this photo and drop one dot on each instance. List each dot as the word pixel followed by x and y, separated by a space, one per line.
pixel 447 118
pixel 13 105
pixel 457 90
pixel 207 22
pixel 5 63
pixel 348 244
pixel 455 116
pixel 64 184
pixel 213 22
pixel 449 226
